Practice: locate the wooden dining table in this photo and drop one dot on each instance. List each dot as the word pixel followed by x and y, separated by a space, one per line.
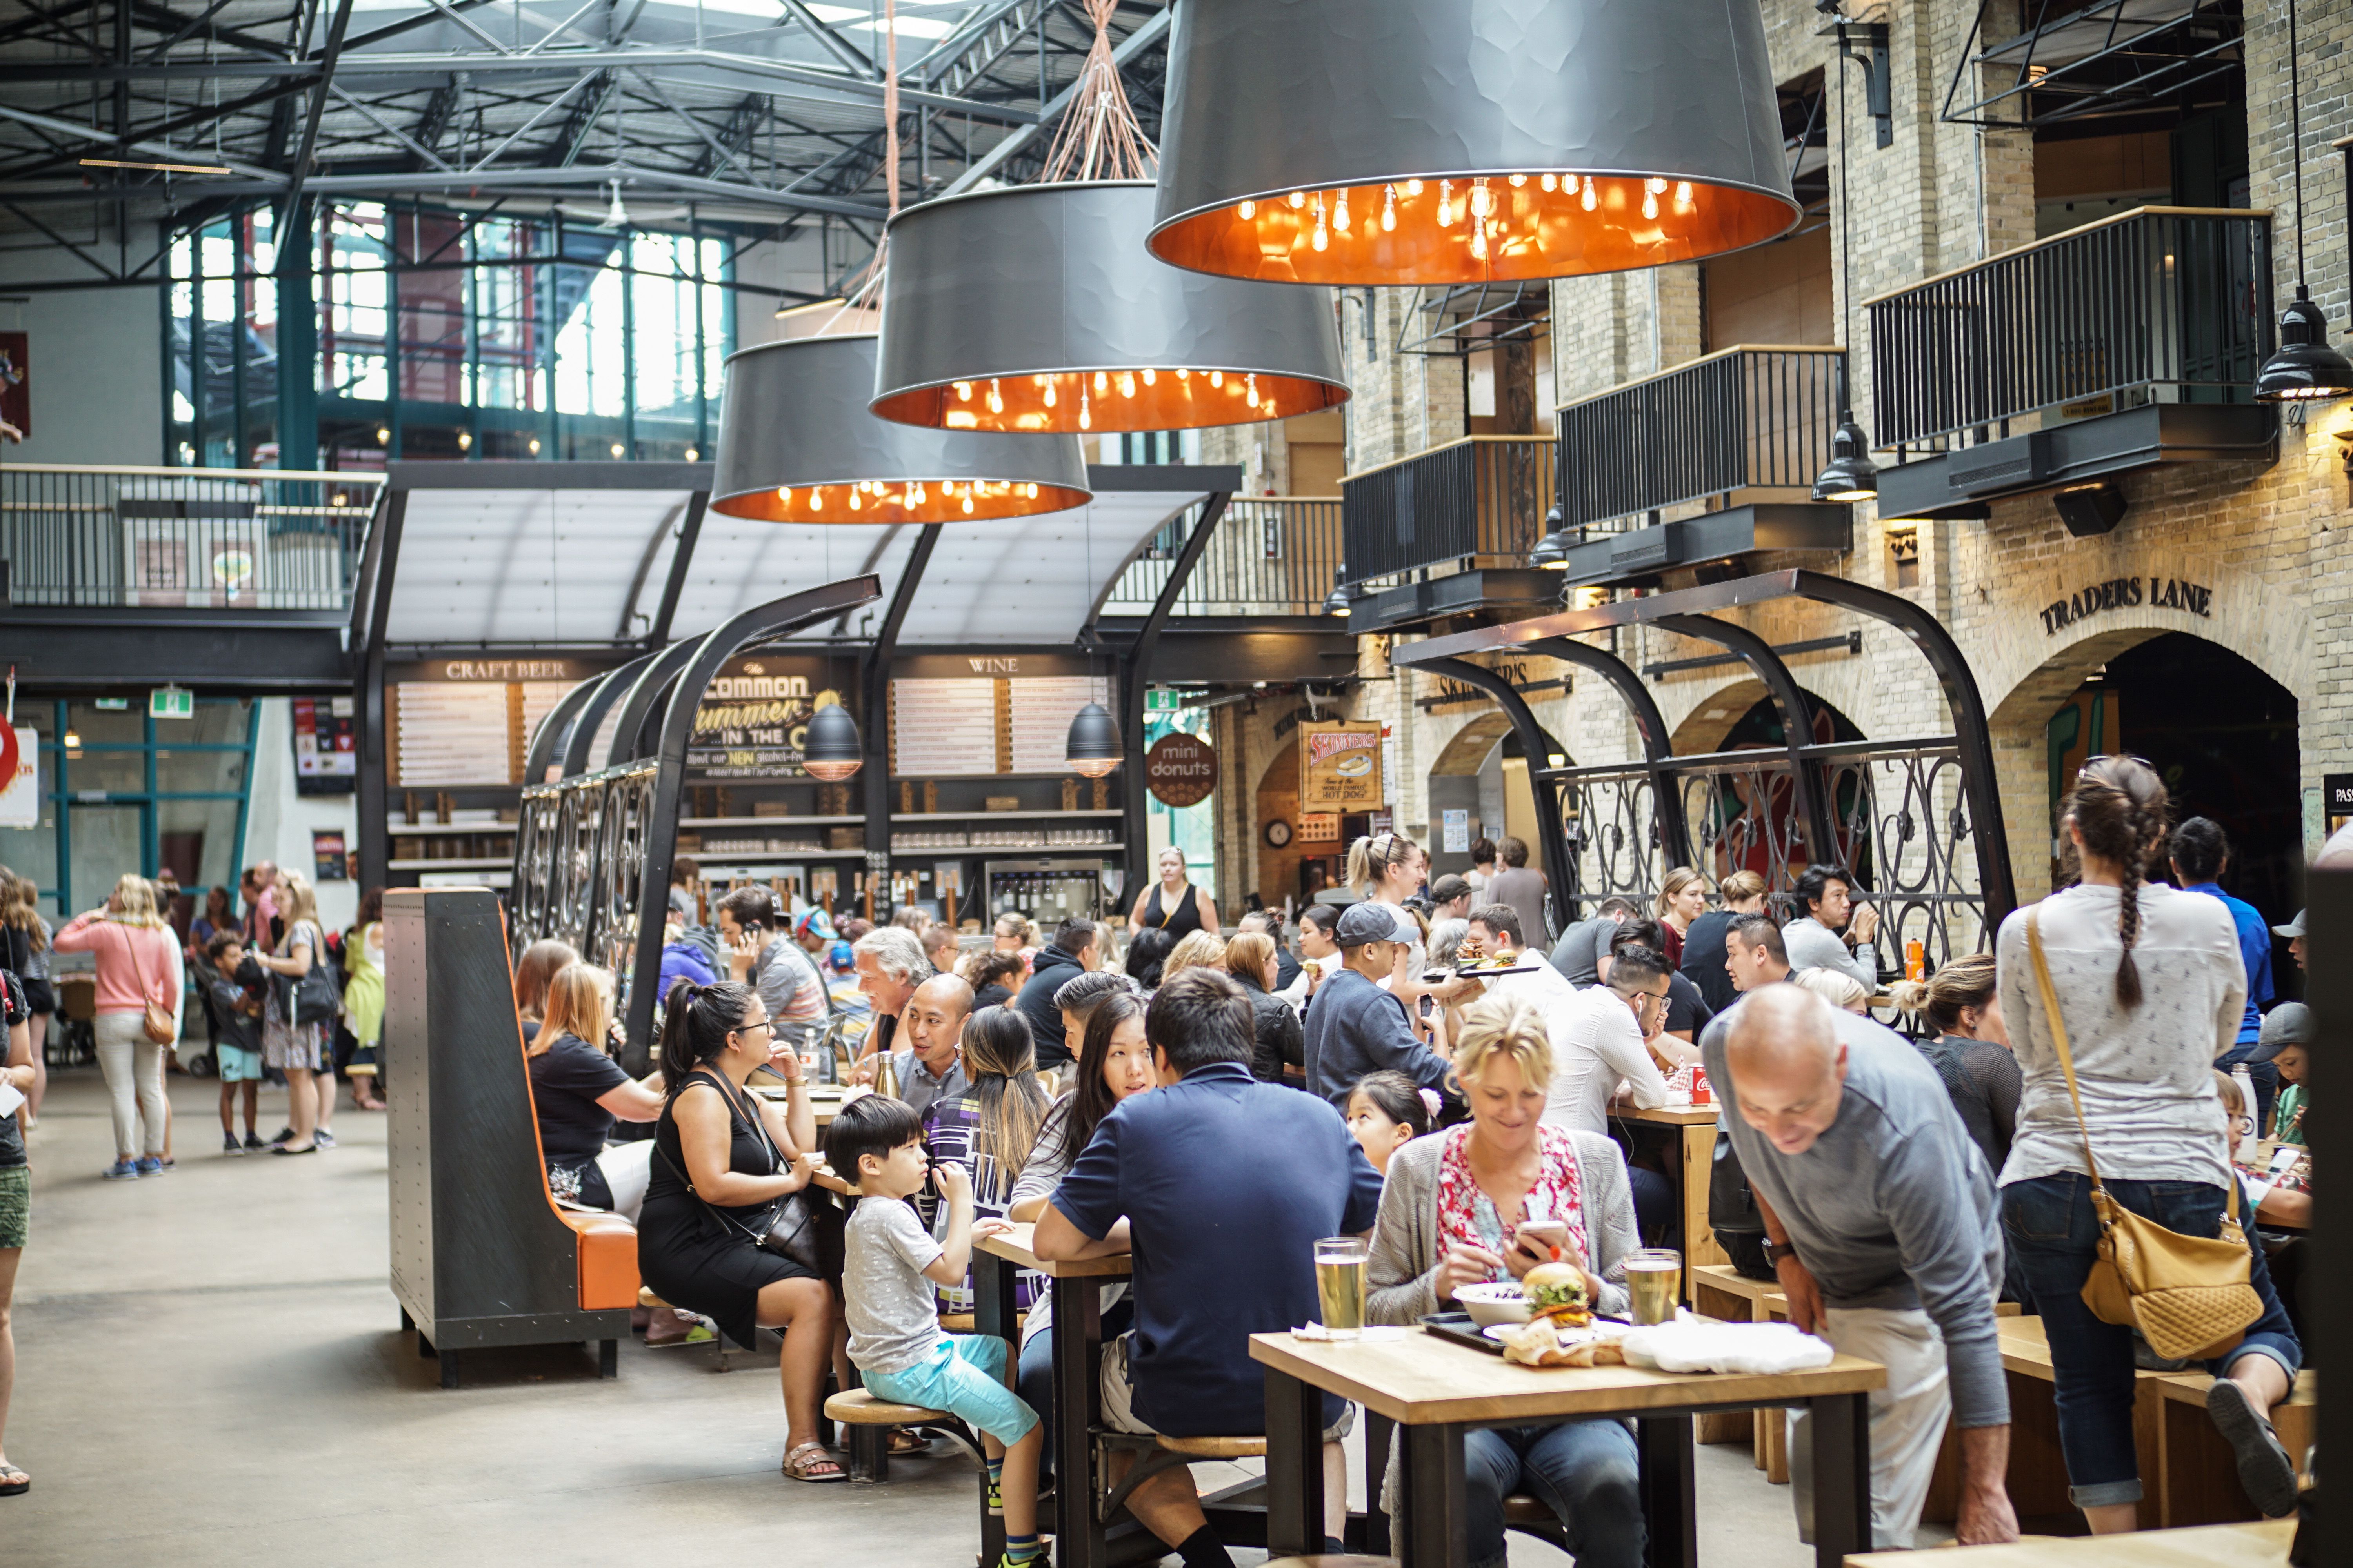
pixel 1688 1132
pixel 1075 1290
pixel 1436 1391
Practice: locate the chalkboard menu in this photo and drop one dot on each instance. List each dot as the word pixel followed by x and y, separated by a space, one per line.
pixel 1042 708
pixel 940 727
pixel 754 714
pixel 454 733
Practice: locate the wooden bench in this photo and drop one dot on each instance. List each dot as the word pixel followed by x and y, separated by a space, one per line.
pixel 2263 1545
pixel 2199 1479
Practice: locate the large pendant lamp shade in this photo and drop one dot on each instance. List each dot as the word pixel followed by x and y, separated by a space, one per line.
pixel 1038 308
pixel 798 445
pixel 1401 142
pixel 1093 748
pixel 830 748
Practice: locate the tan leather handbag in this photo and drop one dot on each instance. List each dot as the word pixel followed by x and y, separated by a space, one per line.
pixel 2187 1295
pixel 162 1024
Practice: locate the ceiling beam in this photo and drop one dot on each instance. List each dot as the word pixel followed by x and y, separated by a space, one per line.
pixel 637 176
pixel 1154 28
pixel 308 145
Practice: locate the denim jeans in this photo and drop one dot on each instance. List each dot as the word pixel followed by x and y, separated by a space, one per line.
pixel 1586 1472
pixel 2053 1233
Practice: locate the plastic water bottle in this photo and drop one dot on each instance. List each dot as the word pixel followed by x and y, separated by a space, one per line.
pixel 2247 1150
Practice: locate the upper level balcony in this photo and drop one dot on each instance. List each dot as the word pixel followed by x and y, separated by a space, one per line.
pixel 1711 460
pixel 1271 557
pixel 1448 530
pixel 2124 343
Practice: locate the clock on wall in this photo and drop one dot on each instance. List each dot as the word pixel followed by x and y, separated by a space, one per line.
pixel 1278 834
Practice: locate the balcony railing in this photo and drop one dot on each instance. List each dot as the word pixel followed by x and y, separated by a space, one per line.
pixel 1272 555
pixel 240 539
pixel 2158 304
pixel 1477 502
pixel 1742 419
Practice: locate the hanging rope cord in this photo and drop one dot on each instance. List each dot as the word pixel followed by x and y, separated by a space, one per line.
pixel 865 292
pixel 1099 138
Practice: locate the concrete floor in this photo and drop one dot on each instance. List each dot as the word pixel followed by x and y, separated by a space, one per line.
pixel 209 1373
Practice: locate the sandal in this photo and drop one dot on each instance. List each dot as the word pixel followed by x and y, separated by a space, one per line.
pixel 14 1481
pixel 905 1440
pixel 810 1462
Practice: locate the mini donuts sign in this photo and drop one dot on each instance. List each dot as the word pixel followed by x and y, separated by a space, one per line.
pixel 1180 769
pixel 1339 767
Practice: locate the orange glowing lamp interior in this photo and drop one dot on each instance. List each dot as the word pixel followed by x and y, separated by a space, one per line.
pixel 900 501
pixel 1145 399
pixel 1484 228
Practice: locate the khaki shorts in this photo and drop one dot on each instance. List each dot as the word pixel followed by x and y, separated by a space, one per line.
pixel 16 1205
pixel 1119 1398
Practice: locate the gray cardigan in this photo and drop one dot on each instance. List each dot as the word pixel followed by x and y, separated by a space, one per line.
pixel 1399 1275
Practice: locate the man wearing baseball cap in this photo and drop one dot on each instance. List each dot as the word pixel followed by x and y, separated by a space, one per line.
pixel 2294 932
pixel 1355 1027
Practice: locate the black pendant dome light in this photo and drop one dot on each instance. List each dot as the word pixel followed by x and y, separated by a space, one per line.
pixel 1037 307
pixel 1396 141
pixel 1551 552
pixel 1092 750
pixel 830 748
pixel 1336 602
pixel 1851 475
pixel 2304 368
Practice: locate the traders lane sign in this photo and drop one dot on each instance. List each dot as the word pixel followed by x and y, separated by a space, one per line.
pixel 2127 593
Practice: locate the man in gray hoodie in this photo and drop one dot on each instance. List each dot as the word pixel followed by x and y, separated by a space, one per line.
pixel 1881 1223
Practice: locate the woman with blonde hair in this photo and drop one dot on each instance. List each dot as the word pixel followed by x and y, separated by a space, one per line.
pixel 540 963
pixel 302 1051
pixel 578 1091
pixel 1386 868
pixel 28 959
pixel 1279 1051
pixel 1488 1201
pixel 134 952
pixel 1743 893
pixel 1173 903
pixel 1683 899
pixel 1199 949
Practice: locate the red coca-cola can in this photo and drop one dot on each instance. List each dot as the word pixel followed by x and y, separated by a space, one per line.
pixel 1700 1094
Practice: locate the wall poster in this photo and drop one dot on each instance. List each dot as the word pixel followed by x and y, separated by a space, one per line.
pixel 1339 766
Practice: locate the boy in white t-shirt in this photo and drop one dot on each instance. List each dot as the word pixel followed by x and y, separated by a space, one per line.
pixel 890 1266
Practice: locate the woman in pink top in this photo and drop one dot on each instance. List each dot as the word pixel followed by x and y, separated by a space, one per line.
pixel 133 948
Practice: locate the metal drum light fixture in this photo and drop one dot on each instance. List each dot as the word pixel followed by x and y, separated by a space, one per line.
pixel 2304 368
pixel 1396 142
pixel 1093 749
pixel 831 749
pixel 1037 307
pixel 796 445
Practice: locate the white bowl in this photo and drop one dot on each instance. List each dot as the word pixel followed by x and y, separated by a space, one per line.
pixel 1502 1302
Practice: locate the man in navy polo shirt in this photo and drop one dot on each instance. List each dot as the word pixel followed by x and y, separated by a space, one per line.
pixel 1222 1187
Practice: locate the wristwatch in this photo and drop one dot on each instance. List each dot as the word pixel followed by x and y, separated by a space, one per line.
pixel 1775 1251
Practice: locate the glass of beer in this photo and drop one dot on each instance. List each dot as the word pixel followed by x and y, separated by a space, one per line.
pixel 1340 1284
pixel 1652 1275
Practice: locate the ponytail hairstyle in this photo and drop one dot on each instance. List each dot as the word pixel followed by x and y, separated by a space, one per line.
pixel 1962 983
pixel 2118 805
pixel 1001 1061
pixel 696 1022
pixel 1369 860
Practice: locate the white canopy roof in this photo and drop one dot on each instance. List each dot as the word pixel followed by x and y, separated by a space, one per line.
pixel 572 553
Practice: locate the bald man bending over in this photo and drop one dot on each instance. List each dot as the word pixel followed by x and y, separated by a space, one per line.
pixel 1880 1222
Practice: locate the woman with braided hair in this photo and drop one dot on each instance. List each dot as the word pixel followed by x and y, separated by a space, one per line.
pixel 2150 988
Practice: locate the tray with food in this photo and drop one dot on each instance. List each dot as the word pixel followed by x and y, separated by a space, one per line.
pixel 1540 1320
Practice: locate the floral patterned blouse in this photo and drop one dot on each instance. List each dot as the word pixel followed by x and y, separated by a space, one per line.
pixel 1467 1215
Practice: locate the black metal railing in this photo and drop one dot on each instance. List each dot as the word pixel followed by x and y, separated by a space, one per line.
pixel 1742 419
pixel 1272 555
pixel 2165 304
pixel 241 539
pixel 1480 502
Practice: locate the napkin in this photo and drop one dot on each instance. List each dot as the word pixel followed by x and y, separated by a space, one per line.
pixel 1686 1346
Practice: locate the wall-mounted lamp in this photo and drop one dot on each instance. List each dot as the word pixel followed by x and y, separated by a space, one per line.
pixel 2090 511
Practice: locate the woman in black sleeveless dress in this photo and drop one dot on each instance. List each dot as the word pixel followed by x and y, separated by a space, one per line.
pixel 722 1159
pixel 1173 904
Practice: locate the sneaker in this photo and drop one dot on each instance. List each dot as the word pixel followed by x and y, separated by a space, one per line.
pixel 229 1145
pixel 122 1171
pixel 2265 1469
pixel 324 1139
pixel 283 1135
pixel 254 1145
pixel 997 1499
pixel 151 1166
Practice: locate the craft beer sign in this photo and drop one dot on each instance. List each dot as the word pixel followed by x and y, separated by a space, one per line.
pixel 1180 769
pixel 1339 767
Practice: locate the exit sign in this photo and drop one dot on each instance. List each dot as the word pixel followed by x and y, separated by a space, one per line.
pixel 1160 699
pixel 171 702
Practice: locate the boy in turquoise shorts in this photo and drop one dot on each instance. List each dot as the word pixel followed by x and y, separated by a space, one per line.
pixel 238 1051
pixel 891 1264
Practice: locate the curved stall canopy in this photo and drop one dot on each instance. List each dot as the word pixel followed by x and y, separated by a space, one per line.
pixel 1911 819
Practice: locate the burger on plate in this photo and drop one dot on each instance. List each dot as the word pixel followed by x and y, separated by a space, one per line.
pixel 1557 1291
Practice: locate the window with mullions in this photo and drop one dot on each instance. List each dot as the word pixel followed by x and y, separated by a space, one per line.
pixel 123 791
pixel 514 337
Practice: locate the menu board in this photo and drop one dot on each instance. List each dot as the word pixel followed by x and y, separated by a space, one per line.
pixel 941 728
pixel 326 755
pixel 1339 767
pixel 453 733
pixel 1042 708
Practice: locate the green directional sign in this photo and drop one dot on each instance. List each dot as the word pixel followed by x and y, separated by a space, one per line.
pixel 171 702
pixel 1162 700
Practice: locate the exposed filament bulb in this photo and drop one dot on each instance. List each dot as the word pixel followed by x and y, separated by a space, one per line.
pixel 1298 199
pixel 963 392
pixel 1128 383
pixel 1049 394
pixel 1217 378
pixel 1519 180
pixel 1248 210
pixel 1413 187
pixel 784 496
pixel 1340 212
pixel 1148 375
pixel 1549 182
pixel 1683 195
pixel 1322 236
pixel 1479 238
pixel 1480 199
pixel 1650 204
pixel 1592 197
pixel 1253 382
pixel 1086 414
pixel 1103 384
pixel 856 502
pixel 1445 204
pixel 1389 208
pixel 816 498
pixel 1185 373
pixel 995 397
pixel 967 500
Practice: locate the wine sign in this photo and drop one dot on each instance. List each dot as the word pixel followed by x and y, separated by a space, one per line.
pixel 1180 769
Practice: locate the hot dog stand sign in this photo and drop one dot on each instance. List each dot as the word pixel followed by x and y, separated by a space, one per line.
pixel 1339 767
